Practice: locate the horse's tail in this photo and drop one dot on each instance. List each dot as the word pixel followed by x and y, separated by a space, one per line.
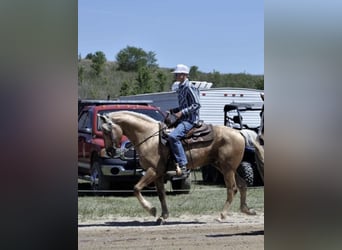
pixel 259 156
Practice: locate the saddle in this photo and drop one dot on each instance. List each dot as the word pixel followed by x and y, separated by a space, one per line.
pixel 201 132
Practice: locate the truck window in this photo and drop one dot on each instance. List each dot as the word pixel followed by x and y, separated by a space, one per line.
pixel 84 121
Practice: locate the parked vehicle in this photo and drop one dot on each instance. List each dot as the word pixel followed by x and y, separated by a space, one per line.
pixel 234 117
pixel 95 165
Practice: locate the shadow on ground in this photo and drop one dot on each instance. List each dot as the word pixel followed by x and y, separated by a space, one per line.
pixel 251 233
pixel 135 223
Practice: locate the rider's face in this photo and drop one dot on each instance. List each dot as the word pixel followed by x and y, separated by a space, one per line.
pixel 180 77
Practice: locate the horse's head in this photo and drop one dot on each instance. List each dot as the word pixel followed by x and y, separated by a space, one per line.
pixel 112 134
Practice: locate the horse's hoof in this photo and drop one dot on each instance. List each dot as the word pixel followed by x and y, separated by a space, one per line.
pixel 160 221
pixel 222 217
pixel 251 212
pixel 218 220
pixel 153 211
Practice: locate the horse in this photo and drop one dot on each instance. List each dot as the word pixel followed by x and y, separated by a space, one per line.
pixel 225 152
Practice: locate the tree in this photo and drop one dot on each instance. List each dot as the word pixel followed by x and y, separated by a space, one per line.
pixel 98 61
pixel 193 74
pixel 161 81
pixel 125 89
pixel 132 59
pixel 151 59
pixel 259 83
pixel 144 81
pixel 89 56
pixel 80 74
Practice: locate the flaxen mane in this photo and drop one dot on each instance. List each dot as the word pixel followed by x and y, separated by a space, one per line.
pixel 137 115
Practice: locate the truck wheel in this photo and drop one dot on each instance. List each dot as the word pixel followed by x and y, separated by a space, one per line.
pixel 181 186
pixel 245 171
pixel 97 180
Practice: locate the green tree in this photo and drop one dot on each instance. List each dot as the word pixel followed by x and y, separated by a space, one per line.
pixel 89 56
pixel 80 74
pixel 151 60
pixel 215 77
pixel 144 81
pixel 98 62
pixel 259 83
pixel 125 89
pixel 161 81
pixel 132 59
pixel 193 74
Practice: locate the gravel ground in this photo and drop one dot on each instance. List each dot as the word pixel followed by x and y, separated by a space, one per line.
pixel 238 231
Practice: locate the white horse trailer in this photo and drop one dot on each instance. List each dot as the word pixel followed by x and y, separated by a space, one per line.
pixel 212 101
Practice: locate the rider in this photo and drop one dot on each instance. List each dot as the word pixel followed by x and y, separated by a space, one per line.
pixel 187 114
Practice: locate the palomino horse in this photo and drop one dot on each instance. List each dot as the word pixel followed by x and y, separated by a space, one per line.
pixel 225 152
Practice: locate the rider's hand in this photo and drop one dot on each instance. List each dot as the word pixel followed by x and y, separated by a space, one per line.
pixel 178 114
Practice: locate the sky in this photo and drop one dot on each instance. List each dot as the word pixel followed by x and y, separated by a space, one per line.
pixel 226 36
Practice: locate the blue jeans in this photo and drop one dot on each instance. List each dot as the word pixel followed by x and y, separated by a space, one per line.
pixel 176 145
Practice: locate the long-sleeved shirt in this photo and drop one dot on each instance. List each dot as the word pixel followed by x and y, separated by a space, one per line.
pixel 188 101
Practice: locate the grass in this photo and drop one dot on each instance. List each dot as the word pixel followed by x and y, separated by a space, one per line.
pixel 202 200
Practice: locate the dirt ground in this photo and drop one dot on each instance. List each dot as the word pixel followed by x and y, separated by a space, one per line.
pixel 238 231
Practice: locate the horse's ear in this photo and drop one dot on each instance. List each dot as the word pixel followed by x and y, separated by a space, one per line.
pixel 104 118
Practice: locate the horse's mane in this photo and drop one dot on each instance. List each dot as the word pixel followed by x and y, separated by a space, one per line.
pixel 135 114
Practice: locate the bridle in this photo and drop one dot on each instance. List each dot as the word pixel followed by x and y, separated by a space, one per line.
pixel 110 150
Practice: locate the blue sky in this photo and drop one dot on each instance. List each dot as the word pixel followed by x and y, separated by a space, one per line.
pixel 222 35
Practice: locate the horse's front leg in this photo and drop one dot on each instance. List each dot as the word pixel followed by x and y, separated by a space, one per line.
pixel 162 198
pixel 148 178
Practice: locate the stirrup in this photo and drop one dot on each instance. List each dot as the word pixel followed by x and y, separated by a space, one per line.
pixel 180 170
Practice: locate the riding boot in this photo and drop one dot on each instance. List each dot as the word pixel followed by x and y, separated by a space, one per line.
pixel 180 169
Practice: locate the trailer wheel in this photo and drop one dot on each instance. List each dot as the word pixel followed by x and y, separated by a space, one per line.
pixel 245 171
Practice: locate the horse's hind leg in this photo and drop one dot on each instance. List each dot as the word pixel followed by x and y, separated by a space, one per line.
pixel 242 185
pixel 148 178
pixel 229 179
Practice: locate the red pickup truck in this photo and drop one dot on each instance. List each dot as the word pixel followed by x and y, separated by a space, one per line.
pixel 102 171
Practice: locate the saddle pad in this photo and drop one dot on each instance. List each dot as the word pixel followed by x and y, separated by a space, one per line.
pixel 203 133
